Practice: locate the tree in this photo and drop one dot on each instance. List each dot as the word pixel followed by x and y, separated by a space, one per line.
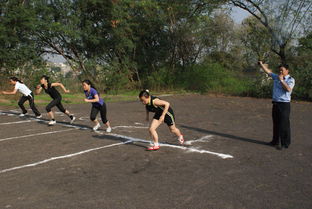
pixel 255 39
pixel 16 51
pixel 284 20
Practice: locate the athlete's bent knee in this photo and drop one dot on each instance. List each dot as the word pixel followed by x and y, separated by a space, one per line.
pixel 151 130
pixel 48 109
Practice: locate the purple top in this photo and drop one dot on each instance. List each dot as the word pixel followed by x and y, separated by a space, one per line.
pixel 91 95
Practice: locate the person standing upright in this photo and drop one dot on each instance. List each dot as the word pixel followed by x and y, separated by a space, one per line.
pixel 282 89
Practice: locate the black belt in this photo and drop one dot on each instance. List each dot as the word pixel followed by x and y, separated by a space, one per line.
pixel 273 102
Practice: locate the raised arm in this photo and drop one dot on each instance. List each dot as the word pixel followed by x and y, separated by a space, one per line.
pixel 265 67
pixel 60 85
pixel 166 106
pixel 9 92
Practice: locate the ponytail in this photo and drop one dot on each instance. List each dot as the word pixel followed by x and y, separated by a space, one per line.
pixel 15 79
pixel 145 93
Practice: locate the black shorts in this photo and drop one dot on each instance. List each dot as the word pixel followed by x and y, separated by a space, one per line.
pixel 96 109
pixel 169 118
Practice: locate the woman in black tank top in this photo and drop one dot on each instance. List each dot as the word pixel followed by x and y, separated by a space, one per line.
pixel 50 89
pixel 163 113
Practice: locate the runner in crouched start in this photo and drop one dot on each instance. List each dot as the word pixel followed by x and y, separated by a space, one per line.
pixel 27 95
pixel 50 89
pixel 98 105
pixel 163 113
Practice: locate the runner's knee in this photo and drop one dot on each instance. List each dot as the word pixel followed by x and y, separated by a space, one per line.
pixel 151 129
pixel 48 108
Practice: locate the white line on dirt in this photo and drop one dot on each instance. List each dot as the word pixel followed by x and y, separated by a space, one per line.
pixel 201 139
pixel 61 157
pixel 16 122
pixel 143 127
pixel 189 149
pixel 37 134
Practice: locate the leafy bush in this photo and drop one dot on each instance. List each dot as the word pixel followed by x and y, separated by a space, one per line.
pixel 213 78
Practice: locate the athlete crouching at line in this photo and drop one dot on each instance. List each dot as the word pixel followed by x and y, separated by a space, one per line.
pixel 98 105
pixel 163 113
pixel 27 95
pixel 50 89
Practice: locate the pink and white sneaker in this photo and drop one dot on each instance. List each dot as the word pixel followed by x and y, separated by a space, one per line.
pixel 153 148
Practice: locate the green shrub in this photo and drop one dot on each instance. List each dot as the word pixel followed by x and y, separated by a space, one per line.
pixel 213 78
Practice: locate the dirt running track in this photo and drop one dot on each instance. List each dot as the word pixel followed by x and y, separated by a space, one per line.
pixel 65 167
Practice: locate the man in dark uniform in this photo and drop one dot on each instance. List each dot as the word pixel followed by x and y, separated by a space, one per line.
pixel 282 89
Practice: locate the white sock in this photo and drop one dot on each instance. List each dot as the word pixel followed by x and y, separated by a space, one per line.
pixel 156 144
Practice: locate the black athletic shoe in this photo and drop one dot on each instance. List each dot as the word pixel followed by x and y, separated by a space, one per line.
pixel 273 144
pixel 278 147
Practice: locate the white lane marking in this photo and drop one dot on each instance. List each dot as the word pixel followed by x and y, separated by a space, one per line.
pixel 189 149
pixel 37 134
pixel 62 157
pixel 16 122
pixel 136 123
pixel 84 118
pixel 62 124
pixel 202 139
pixel 129 127
pixel 224 156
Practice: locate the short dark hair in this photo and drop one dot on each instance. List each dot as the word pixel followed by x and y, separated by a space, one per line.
pixel 284 65
pixel 45 78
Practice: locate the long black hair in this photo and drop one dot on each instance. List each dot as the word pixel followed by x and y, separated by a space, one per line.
pixel 145 93
pixel 13 78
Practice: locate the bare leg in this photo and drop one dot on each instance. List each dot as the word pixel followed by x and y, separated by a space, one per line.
pixel 51 115
pixel 95 121
pixel 67 113
pixel 107 124
pixel 175 130
pixel 154 125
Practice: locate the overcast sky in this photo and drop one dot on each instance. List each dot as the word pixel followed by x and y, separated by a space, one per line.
pixel 237 14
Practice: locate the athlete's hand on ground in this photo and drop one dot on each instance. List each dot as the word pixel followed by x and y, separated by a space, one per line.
pixel 86 100
pixel 67 91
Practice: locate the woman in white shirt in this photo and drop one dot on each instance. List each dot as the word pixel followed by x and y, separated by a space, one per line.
pixel 27 95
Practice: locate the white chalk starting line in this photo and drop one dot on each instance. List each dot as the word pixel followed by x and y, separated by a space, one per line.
pixel 16 122
pixel 37 134
pixel 129 140
pixel 59 157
